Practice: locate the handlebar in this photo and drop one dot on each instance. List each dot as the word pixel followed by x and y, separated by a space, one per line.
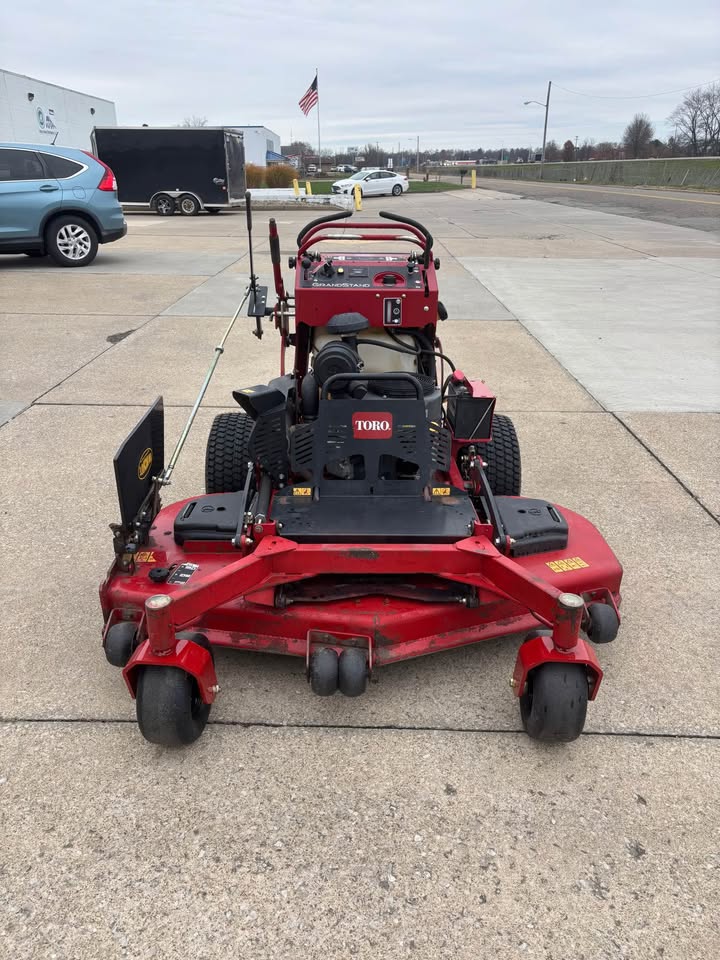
pixel 320 220
pixel 386 215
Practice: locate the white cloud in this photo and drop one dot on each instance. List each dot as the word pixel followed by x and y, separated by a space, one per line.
pixel 456 74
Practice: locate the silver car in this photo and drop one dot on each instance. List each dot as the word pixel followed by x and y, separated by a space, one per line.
pixel 373 183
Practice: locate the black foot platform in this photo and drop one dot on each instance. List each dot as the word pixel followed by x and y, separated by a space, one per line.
pixel 373 519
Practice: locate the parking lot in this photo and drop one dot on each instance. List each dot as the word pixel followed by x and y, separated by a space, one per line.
pixel 417 820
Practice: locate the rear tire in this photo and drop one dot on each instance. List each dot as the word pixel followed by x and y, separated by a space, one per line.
pixel 188 205
pixel 397 190
pixel 502 453
pixel 554 703
pixel 71 242
pixel 228 453
pixel 164 205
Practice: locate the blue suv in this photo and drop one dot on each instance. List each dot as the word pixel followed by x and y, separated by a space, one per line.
pixel 57 201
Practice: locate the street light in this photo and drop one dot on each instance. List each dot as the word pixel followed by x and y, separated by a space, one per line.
pixel 547 107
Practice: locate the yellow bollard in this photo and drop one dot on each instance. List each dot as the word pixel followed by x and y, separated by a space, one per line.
pixel 308 188
pixel 296 188
pixel 473 179
pixel 358 196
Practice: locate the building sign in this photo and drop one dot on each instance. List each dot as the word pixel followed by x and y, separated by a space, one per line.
pixel 46 120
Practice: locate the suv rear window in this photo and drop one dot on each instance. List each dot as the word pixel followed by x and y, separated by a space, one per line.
pixel 20 165
pixel 61 167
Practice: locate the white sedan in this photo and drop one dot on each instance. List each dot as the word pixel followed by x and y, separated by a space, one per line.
pixel 373 183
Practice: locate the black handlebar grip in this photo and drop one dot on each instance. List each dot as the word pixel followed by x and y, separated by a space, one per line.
pixel 411 223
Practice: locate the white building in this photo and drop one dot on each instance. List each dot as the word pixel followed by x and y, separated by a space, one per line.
pixel 262 146
pixel 32 111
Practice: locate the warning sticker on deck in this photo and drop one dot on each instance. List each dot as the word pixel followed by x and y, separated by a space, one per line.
pixel 564 566
pixel 302 491
pixel 441 491
pixel 183 573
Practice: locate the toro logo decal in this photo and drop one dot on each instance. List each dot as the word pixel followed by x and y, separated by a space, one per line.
pixel 372 426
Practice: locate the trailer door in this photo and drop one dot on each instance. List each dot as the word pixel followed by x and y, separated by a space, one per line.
pixel 235 162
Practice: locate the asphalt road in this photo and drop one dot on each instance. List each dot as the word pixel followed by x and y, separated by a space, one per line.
pixel 699 211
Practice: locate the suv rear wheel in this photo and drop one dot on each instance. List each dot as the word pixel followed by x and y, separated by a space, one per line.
pixel 71 241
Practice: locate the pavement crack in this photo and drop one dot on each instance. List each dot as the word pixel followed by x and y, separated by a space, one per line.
pixel 368 727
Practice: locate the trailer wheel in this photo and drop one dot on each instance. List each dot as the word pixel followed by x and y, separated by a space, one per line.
pixel 554 702
pixel 170 710
pixel 189 205
pixel 228 453
pixel 164 205
pixel 502 453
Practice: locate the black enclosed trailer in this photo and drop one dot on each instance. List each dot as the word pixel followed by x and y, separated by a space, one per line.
pixel 175 169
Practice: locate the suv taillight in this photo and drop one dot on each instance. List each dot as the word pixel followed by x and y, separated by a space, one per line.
pixel 108 182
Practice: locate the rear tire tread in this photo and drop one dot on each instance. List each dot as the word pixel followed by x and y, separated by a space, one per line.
pixel 502 453
pixel 227 453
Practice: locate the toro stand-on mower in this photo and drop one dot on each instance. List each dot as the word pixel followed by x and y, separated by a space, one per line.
pixel 361 509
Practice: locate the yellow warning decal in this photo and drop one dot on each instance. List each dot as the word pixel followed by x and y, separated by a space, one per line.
pixel 145 556
pixel 441 491
pixel 247 390
pixel 302 491
pixel 563 566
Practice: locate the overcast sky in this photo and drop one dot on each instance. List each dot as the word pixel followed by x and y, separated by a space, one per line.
pixel 456 73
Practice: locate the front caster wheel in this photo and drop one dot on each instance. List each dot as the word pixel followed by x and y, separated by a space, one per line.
pixel 604 623
pixel 323 671
pixel 352 672
pixel 554 703
pixel 120 643
pixel 170 710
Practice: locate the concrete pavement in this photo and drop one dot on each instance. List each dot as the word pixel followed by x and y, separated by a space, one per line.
pixel 416 820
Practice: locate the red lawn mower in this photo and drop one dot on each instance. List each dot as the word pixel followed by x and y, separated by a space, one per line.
pixel 360 509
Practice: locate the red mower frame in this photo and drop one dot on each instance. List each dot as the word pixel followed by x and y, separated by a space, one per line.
pixel 229 596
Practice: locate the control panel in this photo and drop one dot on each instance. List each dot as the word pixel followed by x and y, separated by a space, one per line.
pixel 360 271
pixel 391 290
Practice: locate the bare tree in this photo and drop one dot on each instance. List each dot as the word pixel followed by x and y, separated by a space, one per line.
pixel 194 121
pixel 638 134
pixel 697 121
pixel 552 151
pixel 568 151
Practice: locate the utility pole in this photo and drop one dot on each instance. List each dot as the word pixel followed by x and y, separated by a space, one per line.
pixel 418 154
pixel 547 108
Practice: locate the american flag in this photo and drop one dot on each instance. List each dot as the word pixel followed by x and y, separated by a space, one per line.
pixel 310 98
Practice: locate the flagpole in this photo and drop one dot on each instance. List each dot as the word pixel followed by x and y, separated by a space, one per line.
pixel 317 87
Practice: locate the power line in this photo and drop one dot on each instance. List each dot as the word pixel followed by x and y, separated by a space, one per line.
pixel 637 96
